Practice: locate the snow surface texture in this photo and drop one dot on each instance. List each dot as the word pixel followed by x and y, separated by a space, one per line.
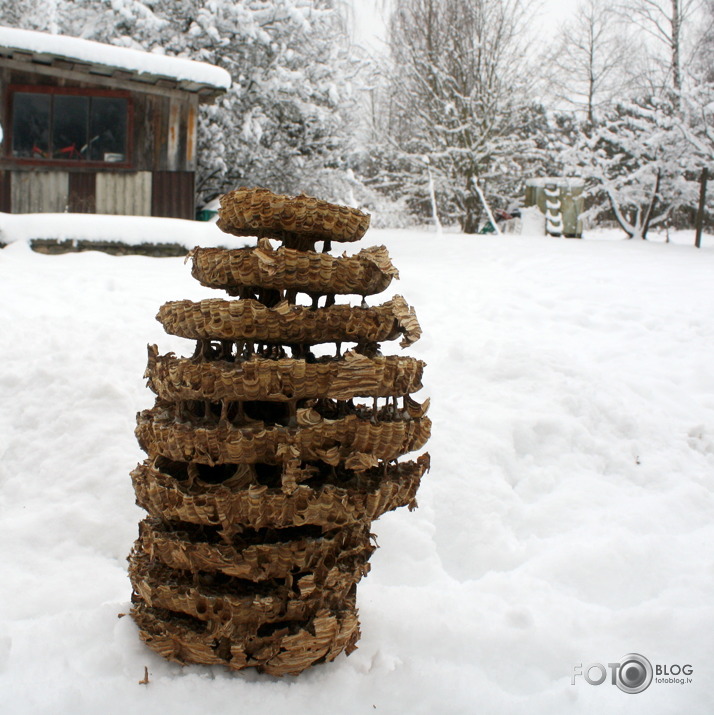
pixel 132 230
pixel 75 48
pixel 568 517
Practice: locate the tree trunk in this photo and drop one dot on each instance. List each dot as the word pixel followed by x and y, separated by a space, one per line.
pixel 700 211
pixel 653 202
pixel 676 60
pixel 472 209
pixel 624 224
pixel 472 215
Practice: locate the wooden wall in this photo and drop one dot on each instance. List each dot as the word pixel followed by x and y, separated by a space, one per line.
pixel 137 193
pixel 127 194
pixel 39 191
pixel 158 180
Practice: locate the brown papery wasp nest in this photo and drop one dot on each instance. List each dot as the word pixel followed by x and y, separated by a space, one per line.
pixel 266 464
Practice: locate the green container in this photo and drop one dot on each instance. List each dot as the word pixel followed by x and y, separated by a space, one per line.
pixel 206 215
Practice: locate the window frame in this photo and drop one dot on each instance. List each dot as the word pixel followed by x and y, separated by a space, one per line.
pixel 68 91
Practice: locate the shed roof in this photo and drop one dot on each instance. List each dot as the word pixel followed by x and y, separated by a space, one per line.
pixel 100 59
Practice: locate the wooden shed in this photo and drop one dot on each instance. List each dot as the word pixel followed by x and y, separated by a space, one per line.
pixel 94 128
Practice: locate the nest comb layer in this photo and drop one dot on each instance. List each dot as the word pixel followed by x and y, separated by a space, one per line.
pixel 258 556
pixel 257 379
pixel 166 492
pixel 285 324
pixel 368 272
pixel 230 605
pixel 259 212
pixel 285 649
pixel 160 432
pixel 263 474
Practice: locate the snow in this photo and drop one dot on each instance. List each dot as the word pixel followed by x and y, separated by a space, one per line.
pixel 132 230
pixel 74 48
pixel 532 221
pixel 568 517
pixel 564 182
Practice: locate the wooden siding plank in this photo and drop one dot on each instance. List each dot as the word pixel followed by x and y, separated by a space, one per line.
pixel 39 191
pixel 182 138
pixel 143 139
pixel 126 194
pixel 160 131
pixel 191 135
pixel 174 130
pixel 5 195
pixel 82 193
pixel 173 194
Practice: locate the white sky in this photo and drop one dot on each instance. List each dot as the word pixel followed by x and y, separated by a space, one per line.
pixel 368 20
pixel 558 11
pixel 369 17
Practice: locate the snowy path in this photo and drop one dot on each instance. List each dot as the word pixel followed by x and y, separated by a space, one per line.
pixel 568 517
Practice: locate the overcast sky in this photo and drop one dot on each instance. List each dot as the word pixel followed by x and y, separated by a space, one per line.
pixel 370 15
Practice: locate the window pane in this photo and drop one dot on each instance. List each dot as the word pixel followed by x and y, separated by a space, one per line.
pixel 108 129
pixel 69 127
pixel 30 125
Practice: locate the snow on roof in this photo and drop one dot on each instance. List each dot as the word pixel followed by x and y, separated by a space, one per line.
pixel 76 49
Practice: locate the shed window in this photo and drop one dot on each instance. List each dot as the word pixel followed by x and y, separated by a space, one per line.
pixel 69 127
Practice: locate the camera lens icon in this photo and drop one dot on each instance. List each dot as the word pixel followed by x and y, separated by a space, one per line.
pixel 634 674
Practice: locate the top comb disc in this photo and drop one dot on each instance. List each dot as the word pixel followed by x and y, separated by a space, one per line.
pixel 293 220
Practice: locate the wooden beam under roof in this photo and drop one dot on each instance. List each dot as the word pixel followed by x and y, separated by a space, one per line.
pixel 106 75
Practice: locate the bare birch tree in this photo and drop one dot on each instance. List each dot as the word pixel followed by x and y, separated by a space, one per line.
pixel 667 24
pixel 587 68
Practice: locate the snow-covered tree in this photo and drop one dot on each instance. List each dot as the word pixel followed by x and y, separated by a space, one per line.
pixel 31 14
pixel 697 126
pixel 286 123
pixel 635 164
pixel 457 103
pixel 671 26
pixel 128 23
pixel 287 120
pixel 704 57
pixel 697 97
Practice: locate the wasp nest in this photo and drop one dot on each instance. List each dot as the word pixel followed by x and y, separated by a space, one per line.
pixel 267 464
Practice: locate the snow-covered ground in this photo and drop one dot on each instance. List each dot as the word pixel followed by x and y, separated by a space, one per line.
pixel 131 230
pixel 568 517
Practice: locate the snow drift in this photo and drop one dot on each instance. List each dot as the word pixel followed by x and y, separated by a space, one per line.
pixel 567 519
